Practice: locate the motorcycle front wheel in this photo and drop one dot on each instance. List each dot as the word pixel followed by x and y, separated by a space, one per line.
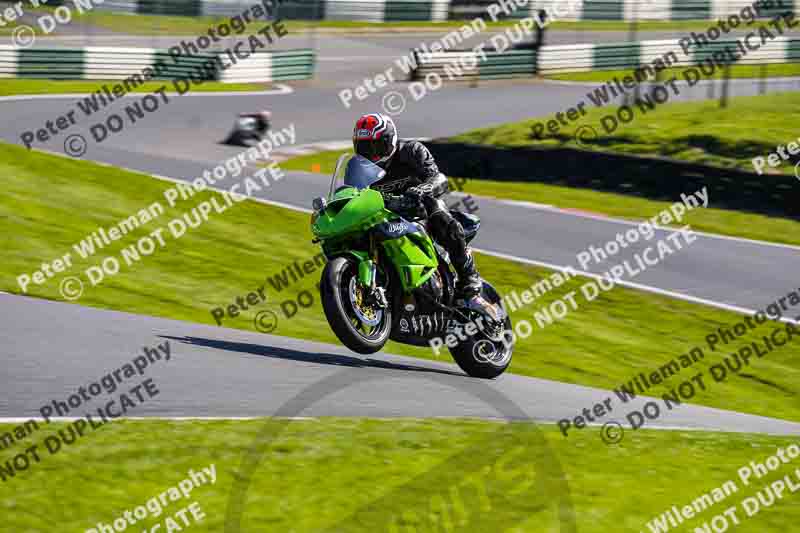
pixel 359 326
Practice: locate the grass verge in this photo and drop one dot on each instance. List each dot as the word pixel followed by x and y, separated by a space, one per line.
pixel 369 475
pixel 702 132
pixel 721 221
pixel 21 86
pixel 50 203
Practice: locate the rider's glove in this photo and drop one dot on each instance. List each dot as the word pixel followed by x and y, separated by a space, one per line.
pixel 414 198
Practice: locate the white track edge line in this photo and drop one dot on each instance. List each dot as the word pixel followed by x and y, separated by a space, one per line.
pixel 22 420
pixel 568 211
pixel 705 82
pixel 281 88
pixel 633 285
pixel 176 180
pixel 608 218
pixel 501 255
pixel 65 419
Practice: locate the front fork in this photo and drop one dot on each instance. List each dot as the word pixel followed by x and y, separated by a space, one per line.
pixel 368 278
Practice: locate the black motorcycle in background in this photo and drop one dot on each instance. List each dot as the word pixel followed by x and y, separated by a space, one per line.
pixel 249 129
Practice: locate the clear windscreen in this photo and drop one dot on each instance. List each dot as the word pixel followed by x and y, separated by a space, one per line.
pixel 352 170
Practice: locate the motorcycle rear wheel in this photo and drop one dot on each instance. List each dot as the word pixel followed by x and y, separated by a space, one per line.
pixel 482 357
pixel 341 312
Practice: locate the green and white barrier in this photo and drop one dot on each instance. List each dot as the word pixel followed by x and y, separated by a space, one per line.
pixel 587 57
pixel 9 58
pixel 468 65
pixel 363 10
pixel 275 66
pixel 96 63
pixel 185 8
pixel 655 10
pixel 112 63
pixel 366 10
pixel 439 10
pixel 656 55
pixel 628 10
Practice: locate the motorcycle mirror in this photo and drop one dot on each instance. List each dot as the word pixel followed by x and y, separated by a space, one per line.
pixel 319 203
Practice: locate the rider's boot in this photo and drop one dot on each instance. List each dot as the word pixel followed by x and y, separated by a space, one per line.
pixel 469 288
pixel 469 282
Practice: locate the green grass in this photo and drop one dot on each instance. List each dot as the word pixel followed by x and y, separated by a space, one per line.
pixel 52 202
pixel 12 87
pixel 736 71
pixel 585 25
pixel 724 222
pixel 365 475
pixel 177 25
pixel 701 132
pixel 155 24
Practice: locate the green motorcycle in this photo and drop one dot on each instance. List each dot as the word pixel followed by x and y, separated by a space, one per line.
pixel 387 279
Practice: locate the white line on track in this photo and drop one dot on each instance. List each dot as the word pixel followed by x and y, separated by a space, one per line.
pixel 606 218
pixel 280 88
pixel 501 255
pixel 68 419
pixel 633 285
pixel 518 203
pixel 597 216
pixel 701 82
pixel 22 420
pixel 175 180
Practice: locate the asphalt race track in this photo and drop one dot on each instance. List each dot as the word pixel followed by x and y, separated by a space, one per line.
pixel 50 348
pixel 182 141
pixel 54 348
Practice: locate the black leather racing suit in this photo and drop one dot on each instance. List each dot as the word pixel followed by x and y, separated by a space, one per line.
pixel 412 165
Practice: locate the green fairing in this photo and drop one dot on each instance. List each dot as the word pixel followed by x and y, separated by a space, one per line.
pixel 351 213
pixel 414 257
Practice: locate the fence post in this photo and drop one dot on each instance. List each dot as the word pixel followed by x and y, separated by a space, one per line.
pixel 632 32
pixel 473 83
pixel 539 42
pixel 723 97
pixel 318 16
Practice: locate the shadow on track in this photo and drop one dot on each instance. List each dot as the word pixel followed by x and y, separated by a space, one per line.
pixel 306 357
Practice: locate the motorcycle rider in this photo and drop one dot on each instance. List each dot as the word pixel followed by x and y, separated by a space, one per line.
pixel 411 170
